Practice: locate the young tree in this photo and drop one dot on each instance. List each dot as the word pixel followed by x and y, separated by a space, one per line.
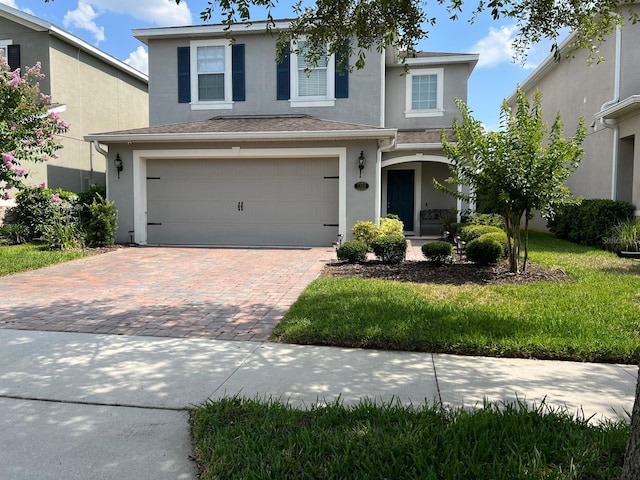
pixel 517 169
pixel 27 131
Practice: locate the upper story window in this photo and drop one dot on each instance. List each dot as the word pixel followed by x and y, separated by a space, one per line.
pixel 424 93
pixel 312 85
pixel 211 83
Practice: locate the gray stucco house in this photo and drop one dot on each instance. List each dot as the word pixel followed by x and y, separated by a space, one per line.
pixel 247 150
pixel 91 90
pixel 607 96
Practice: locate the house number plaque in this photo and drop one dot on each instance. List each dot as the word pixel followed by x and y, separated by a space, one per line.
pixel 362 186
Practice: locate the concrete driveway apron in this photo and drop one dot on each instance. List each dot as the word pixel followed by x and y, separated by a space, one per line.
pixel 222 293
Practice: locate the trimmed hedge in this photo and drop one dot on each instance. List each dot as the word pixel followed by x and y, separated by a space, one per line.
pixel 501 238
pixel 390 248
pixel 437 252
pixel 590 222
pixel 484 251
pixel 471 232
pixel 352 251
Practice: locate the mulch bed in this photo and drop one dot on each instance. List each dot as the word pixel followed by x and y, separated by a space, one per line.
pixel 458 273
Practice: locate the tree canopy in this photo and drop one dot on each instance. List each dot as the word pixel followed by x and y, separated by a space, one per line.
pixel 375 24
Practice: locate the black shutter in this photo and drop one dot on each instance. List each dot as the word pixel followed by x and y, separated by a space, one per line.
pixel 284 78
pixel 342 72
pixel 237 72
pixel 13 56
pixel 184 75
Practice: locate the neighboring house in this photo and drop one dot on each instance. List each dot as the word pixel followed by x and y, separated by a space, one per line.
pixel 90 89
pixel 607 96
pixel 244 149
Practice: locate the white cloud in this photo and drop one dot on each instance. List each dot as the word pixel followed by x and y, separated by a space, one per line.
pixel 160 12
pixel 83 17
pixel 139 59
pixel 496 47
pixel 11 3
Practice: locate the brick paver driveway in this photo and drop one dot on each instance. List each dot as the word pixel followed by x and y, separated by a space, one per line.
pixel 231 294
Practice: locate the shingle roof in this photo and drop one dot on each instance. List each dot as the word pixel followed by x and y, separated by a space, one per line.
pixel 430 135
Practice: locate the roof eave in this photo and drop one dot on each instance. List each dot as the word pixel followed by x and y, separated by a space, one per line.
pixel 620 109
pixel 232 136
pixel 419 146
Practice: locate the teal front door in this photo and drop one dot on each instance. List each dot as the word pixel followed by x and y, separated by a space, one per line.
pixel 400 193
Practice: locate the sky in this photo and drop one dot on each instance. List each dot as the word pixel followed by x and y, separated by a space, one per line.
pixel 107 25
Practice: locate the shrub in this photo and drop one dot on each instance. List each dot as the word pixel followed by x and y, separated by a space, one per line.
pixel 501 238
pixel 352 251
pixel 484 251
pixel 492 219
pixel 589 222
pixel 100 222
pixel 365 232
pixel 390 248
pixel 61 230
pixel 13 233
pixel 471 232
pixel 35 208
pixel 624 236
pixel 437 252
pixel 391 225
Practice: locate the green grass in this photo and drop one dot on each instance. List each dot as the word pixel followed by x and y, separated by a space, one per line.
pixel 593 317
pixel 239 438
pixel 29 256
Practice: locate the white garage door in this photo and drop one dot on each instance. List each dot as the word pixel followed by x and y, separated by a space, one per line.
pixel 276 202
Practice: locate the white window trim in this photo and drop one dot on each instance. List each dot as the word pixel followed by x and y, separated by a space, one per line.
pixel 5 44
pixel 434 112
pixel 225 104
pixel 325 101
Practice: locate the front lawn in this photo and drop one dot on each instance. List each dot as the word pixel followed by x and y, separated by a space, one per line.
pixel 239 438
pixel 29 256
pixel 595 316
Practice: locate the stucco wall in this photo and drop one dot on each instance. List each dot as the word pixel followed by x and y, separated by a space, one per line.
pixel 455 86
pixel 362 106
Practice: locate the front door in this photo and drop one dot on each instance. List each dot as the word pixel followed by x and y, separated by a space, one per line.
pixel 400 201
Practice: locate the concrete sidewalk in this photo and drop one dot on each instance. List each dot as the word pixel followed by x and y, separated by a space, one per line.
pixel 79 406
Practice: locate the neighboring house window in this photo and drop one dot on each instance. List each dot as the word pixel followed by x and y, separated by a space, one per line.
pixel 424 90
pixel 11 53
pixel 308 85
pixel 215 74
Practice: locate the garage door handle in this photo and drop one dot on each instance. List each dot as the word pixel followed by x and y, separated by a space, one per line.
pixel 240 206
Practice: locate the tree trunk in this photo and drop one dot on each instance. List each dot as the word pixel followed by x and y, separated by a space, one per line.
pixel 526 241
pixel 631 467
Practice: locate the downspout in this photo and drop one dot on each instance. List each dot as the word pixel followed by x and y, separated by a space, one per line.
pixel 104 153
pixel 614 126
pixel 385 147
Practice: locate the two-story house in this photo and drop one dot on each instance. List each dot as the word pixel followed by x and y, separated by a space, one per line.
pixel 248 149
pixel 607 95
pixel 91 90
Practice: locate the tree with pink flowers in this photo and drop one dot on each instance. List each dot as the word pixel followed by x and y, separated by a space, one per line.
pixel 28 127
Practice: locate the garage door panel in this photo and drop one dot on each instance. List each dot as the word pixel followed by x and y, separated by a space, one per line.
pixel 242 201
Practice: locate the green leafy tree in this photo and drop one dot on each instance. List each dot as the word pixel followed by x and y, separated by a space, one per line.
pixel 375 24
pixel 27 131
pixel 520 169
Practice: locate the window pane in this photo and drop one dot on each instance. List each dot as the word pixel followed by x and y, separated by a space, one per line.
pixel 424 92
pixel 210 59
pixel 211 87
pixel 302 62
pixel 312 84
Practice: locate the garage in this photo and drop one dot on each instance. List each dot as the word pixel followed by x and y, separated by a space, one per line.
pixel 242 201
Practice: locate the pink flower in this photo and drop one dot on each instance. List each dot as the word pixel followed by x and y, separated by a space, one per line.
pixel 15 78
pixel 42 185
pixel 6 196
pixel 54 115
pixel 62 125
pixel 19 172
pixel 8 159
pixel 55 198
pixel 56 156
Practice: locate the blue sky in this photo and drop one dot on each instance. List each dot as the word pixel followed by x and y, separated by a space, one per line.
pixel 107 24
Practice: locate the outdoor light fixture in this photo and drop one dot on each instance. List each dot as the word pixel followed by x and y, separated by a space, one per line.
pixel 118 163
pixel 361 162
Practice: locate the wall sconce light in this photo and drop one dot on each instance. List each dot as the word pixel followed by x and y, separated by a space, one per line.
pixel 361 161
pixel 118 163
